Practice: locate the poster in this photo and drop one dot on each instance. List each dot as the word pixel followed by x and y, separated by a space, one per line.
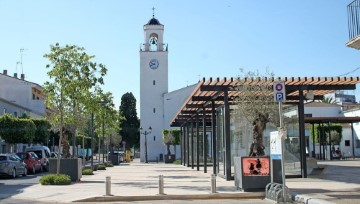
pixel 254 166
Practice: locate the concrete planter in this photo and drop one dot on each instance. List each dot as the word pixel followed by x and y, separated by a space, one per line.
pixel 169 158
pixel 71 167
pixel 114 158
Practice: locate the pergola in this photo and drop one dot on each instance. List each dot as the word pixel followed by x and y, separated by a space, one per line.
pixel 200 109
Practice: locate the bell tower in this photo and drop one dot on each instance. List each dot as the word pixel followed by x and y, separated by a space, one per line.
pixel 153 86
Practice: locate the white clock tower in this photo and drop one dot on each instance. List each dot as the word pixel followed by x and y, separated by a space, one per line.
pixel 153 86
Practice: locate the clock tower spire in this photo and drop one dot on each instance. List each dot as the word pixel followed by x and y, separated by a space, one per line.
pixel 153 86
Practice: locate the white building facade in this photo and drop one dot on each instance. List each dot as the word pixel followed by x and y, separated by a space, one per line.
pixel 19 97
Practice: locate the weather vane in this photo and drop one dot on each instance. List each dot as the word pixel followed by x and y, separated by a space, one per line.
pixel 153 12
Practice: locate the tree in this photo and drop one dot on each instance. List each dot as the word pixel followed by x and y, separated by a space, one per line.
pixel 73 75
pixel 42 133
pixel 255 102
pixel 168 139
pixel 130 123
pixel 328 99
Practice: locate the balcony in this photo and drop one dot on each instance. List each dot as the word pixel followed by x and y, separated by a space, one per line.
pixel 353 10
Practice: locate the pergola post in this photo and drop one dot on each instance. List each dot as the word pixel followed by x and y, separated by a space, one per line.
pixel 192 142
pixel 187 145
pixel 302 134
pixel 213 129
pixel 197 143
pixel 353 140
pixel 227 136
pixel 204 140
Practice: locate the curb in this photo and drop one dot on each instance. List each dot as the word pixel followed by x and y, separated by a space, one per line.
pixel 253 195
pixel 308 200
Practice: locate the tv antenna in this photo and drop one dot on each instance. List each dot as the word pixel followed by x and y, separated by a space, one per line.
pixel 22 50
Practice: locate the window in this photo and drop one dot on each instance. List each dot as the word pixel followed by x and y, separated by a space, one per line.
pixel 347 143
pixel 154 110
pixel 308 115
pixel 15 114
pixel 153 82
pixel 154 138
pixel 357 143
pixel 33 96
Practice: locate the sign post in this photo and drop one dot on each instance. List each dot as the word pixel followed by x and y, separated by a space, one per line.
pixel 280 97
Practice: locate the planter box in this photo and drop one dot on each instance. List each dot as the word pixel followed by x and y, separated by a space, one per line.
pixel 169 158
pixel 71 167
pixel 114 158
pixel 252 173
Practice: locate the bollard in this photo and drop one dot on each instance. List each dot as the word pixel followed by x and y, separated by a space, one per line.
pixel 108 185
pixel 161 185
pixel 213 183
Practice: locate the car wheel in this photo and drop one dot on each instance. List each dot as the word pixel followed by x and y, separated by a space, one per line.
pixel 33 170
pixel 25 172
pixel 13 173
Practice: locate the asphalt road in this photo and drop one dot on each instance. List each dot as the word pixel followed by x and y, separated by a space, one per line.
pixel 9 186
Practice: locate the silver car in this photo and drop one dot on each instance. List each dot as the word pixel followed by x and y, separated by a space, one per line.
pixel 12 165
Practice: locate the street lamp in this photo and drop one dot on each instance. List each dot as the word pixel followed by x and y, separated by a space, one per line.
pixel 145 132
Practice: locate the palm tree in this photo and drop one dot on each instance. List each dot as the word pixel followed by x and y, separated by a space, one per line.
pixel 328 99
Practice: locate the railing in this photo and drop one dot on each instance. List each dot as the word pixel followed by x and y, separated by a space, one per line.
pixel 354 19
pixel 153 48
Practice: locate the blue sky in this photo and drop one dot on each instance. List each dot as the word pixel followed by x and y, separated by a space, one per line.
pixel 206 38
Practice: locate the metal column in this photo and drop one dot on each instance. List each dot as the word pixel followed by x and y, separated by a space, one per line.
pixel 204 140
pixel 353 140
pixel 197 143
pixel 187 145
pixel 302 134
pixel 213 128
pixel 227 136
pixel 192 142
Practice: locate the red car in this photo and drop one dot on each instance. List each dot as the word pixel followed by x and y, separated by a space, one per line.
pixel 33 163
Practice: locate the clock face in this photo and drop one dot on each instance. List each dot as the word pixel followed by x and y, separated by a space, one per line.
pixel 154 64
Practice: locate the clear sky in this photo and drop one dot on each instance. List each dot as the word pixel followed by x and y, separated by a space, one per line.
pixel 206 38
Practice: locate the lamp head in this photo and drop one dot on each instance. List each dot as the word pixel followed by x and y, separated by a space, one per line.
pixel 150 129
pixel 140 129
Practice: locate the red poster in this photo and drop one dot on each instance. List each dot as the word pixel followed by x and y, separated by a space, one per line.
pixel 253 166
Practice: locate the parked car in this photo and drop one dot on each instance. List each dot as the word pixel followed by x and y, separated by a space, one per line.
pixel 12 165
pixel 32 161
pixel 43 154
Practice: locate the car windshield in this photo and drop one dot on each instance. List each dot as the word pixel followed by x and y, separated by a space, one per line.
pixel 22 156
pixel 2 158
pixel 38 153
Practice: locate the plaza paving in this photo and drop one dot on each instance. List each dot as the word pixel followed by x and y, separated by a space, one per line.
pixel 339 182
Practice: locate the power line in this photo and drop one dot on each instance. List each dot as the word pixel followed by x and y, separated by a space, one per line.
pixel 350 72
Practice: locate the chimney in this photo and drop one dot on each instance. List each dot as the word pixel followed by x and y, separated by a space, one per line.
pixel 5 72
pixel 22 76
pixel 15 75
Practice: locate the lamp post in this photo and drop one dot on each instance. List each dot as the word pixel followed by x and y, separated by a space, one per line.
pixel 145 132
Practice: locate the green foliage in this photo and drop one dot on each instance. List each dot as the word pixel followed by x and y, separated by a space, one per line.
pixel 329 100
pixel 42 132
pixel 177 162
pixel 16 130
pixel 102 167
pixel 55 179
pixel 109 164
pixel 334 129
pixel 87 172
pixel 130 123
pixel 170 137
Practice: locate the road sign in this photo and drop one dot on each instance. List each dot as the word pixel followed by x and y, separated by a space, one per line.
pixel 279 91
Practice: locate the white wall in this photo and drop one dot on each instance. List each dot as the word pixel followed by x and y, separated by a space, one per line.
pixel 172 104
